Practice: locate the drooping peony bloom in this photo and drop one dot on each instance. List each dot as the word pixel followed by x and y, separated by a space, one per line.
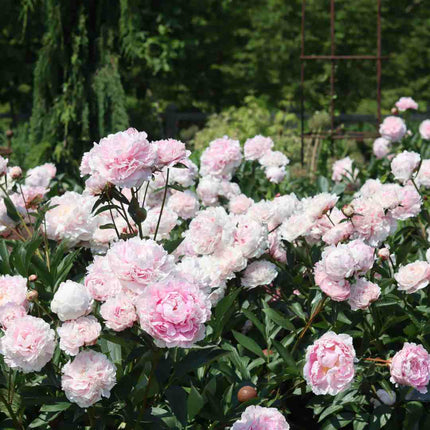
pixel 260 418
pixel 363 293
pixel 259 273
pixel 118 312
pixel 71 220
pixel 28 344
pixel 100 281
pixel 405 103
pixel 329 367
pixel 343 169
pixel 125 159
pixel 404 165
pixel 221 158
pixel 40 176
pixel 413 277
pixel 257 146
pixel 80 332
pixel 411 367
pixel 71 301
pixel 87 378
pixel 425 129
pixel 174 312
pixel 10 312
pixel 13 289
pixel 275 174
pixel 138 263
pixel 393 128
pixel 170 152
pixel 381 147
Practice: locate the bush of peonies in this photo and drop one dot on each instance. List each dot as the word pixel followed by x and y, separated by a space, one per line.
pixel 152 295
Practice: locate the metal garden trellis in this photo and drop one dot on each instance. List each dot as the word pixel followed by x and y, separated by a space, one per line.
pixel 333 58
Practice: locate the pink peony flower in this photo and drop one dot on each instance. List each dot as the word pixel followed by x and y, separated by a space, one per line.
pixel 275 174
pixel 210 230
pixel 10 312
pixel 404 165
pixel 125 159
pixel 3 165
pixel 71 301
pixel 100 281
pixel 28 344
pixel 337 290
pixel 184 204
pixel 184 177
pixel 221 158
pixel 343 169
pixel 251 237
pixel 274 159
pixel 138 263
pixel 338 262
pixel 118 312
pixel 41 176
pixel 259 273
pixel 208 190
pixel 405 103
pixel 425 129
pixel 329 367
pixel 168 222
pixel 80 332
pixel 240 204
pixel 423 176
pixel 411 367
pixel 363 255
pixel 260 418
pixel 381 147
pixel 338 233
pixel 13 289
pixel 276 248
pixel 393 128
pixel 170 152
pixel 409 204
pixel 174 312
pixel 363 293
pixel 413 277
pixel 257 146
pixel 87 378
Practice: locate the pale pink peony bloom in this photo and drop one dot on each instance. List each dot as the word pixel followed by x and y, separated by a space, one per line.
pixel 229 189
pixel 29 197
pixel 100 281
pixel 41 176
pixel 363 293
pixel 227 261
pixel 174 312
pixel 283 207
pixel 318 205
pixel 425 129
pixel 208 190
pixel 259 273
pixel 263 211
pixel 338 262
pixel 13 289
pixel 276 248
pixel 3 165
pixel 338 233
pixel 94 185
pixel 240 204
pixel 274 159
pixel 168 222
pixel 184 204
pixel 275 174
pixel 413 277
pixel 28 344
pixel 10 312
pixel 184 177
pixel 409 203
pixel 329 367
pixel 423 176
pixel 71 220
pixel 125 159
pixel 257 146
pixel 71 301
pixel 80 332
pixel 404 165
pixel 381 147
pixel 337 290
pixel 343 169
pixel 210 230
pixel 260 418
pixel 251 237
pixel 296 226
pixel 405 103
pixel 363 255
pixel 221 158
pixel 87 378
pixel 170 152
pixel 138 263
pixel 411 367
pixel 118 313
pixel 393 128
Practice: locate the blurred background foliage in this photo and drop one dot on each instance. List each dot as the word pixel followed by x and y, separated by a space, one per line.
pixel 73 72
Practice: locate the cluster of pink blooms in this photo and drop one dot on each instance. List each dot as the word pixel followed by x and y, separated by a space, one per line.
pixel 259 148
pixel 260 418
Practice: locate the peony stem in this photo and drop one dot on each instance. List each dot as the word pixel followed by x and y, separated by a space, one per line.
pixel 162 204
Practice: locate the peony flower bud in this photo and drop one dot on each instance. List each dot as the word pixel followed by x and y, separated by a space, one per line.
pixel 15 172
pixel 32 296
pixel 384 253
pixel 387 398
pixel 32 278
pixel 246 393
pixel 348 210
pixel 394 111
